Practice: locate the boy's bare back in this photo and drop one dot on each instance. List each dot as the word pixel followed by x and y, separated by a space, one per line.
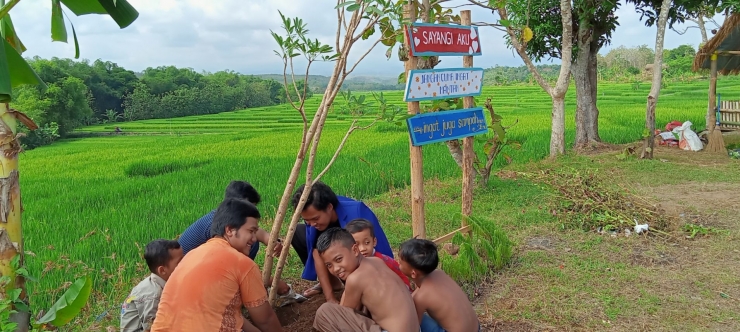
pixel 384 295
pixel 446 303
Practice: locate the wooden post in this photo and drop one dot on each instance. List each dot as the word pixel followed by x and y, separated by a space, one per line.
pixel 468 173
pixel 417 167
pixel 711 117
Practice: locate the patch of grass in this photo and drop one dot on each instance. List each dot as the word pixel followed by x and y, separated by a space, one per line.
pixel 151 168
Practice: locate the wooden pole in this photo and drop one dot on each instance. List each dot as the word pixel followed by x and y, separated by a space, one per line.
pixel 468 173
pixel 417 167
pixel 711 118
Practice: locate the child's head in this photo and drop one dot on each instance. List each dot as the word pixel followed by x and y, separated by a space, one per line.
pixel 162 256
pixel 362 231
pixel 417 258
pixel 339 251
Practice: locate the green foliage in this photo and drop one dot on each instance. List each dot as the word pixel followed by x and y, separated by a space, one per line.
pixel 44 135
pixel 702 230
pixel 15 71
pixel 488 251
pixel 69 305
pixel 60 314
pixel 80 92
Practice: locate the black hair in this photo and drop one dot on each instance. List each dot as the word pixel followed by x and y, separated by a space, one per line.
pixel 242 190
pixel 334 235
pixel 359 225
pixel 232 213
pixel 420 254
pixel 320 197
pixel 157 253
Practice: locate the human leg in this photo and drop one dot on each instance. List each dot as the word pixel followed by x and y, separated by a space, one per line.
pixel 428 324
pixel 332 317
pixel 254 250
pixel 299 242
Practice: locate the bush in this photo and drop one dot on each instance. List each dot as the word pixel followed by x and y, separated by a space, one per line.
pixel 43 135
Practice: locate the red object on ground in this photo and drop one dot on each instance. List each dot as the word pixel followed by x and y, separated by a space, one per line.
pixel 673 124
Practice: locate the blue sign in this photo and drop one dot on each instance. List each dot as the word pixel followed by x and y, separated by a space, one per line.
pixel 443 126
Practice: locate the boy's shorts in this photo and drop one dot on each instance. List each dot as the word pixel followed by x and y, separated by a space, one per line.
pixel 428 324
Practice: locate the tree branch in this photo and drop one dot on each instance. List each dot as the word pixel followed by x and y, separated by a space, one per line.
pixel 352 128
pixel 346 73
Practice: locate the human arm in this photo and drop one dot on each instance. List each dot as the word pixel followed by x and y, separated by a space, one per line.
pixel 323 275
pixel 264 318
pixel 419 303
pixel 254 298
pixel 352 296
pixel 264 237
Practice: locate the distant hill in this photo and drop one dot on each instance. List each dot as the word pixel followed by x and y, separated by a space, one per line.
pixel 318 83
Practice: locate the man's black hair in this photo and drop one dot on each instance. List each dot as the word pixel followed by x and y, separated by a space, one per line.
pixel 334 235
pixel 420 254
pixel 320 197
pixel 359 225
pixel 232 213
pixel 157 253
pixel 242 190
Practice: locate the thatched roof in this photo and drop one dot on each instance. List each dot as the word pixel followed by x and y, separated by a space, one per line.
pixel 726 39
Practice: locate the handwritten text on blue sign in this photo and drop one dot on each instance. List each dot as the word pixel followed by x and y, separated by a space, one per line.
pixel 443 126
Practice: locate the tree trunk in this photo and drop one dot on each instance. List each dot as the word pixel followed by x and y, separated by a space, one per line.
pixel 585 76
pixel 557 136
pixel 593 76
pixel 702 28
pixel 11 239
pixel 583 93
pixel 652 99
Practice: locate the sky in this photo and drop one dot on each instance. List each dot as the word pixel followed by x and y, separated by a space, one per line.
pixel 235 35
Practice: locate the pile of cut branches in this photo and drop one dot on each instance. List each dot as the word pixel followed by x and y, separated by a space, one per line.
pixel 586 200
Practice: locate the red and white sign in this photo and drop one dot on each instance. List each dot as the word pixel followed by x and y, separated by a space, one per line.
pixel 443 40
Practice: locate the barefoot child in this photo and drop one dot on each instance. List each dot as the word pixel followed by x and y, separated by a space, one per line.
pixel 140 307
pixel 369 286
pixel 362 231
pixel 440 303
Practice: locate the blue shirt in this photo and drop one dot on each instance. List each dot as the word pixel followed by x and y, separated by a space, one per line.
pixel 197 233
pixel 347 210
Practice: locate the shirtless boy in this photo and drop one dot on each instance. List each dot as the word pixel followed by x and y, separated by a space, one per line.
pixel 369 286
pixel 440 303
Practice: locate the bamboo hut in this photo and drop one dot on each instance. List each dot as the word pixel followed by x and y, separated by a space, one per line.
pixel 721 55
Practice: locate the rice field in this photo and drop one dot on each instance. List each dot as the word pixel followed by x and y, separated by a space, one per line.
pixel 92 203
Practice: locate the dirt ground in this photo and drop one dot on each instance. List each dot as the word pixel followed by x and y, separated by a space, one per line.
pixel 565 281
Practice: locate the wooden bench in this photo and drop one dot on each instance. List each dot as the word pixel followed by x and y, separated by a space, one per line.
pixel 729 115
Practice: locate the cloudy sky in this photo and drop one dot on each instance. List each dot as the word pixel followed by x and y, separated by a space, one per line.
pixel 235 34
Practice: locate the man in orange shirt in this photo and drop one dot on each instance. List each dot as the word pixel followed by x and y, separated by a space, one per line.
pixel 207 290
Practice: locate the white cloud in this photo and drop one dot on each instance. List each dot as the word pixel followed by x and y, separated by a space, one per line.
pixel 235 34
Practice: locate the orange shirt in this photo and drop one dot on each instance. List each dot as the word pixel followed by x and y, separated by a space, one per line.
pixel 207 290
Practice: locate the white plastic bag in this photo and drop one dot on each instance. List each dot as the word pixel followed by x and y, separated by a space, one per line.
pixel 688 139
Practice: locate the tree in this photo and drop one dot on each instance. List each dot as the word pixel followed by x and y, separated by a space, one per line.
pixel 14 72
pixel 519 35
pixel 356 20
pixel 652 99
pixel 703 15
pixel 593 23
